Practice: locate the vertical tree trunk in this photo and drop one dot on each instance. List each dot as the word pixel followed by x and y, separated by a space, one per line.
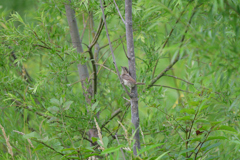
pixel 132 70
pixel 76 41
pixel 82 68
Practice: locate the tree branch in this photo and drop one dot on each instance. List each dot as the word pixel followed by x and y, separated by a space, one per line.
pixel 172 88
pixel 177 57
pixel 113 115
pixel 132 70
pixel 119 12
pixel 110 45
pixel 178 78
pixel 170 34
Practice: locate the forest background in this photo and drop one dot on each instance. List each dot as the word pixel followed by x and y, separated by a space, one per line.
pixel 186 53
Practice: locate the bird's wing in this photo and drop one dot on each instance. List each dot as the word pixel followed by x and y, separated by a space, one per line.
pixel 128 77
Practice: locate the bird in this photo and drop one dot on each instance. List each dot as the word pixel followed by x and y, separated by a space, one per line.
pixel 127 78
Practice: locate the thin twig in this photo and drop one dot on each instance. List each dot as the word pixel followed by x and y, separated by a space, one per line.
pixel 166 41
pixel 84 28
pixel 106 68
pixel 124 48
pixel 170 117
pixel 177 57
pixel 163 72
pixel 128 105
pixel 108 43
pixel 178 78
pixel 47 46
pixel 127 99
pixel 113 57
pixel 172 88
pixel 97 35
pixel 106 59
pixel 48 147
pixel 94 71
pixel 119 12
pixel 113 115
pixel 27 77
pixel 120 148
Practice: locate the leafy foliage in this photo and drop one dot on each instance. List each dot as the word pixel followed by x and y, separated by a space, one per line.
pixel 190 112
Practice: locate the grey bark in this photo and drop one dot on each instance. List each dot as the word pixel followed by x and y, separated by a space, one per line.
pixel 76 41
pixel 82 68
pixel 132 70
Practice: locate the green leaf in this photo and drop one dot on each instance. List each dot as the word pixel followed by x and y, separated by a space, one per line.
pixel 189 111
pixel 32 135
pixel 203 107
pixel 53 109
pixel 68 149
pixel 215 137
pixel 112 149
pixel 153 25
pixel 196 139
pixel 197 85
pixel 90 155
pixel 186 150
pixel 202 121
pixel 194 103
pixel 61 100
pixel 214 123
pixel 94 106
pixel 162 155
pixel 55 101
pixel 72 153
pixel 235 141
pixel 149 147
pixel 226 128
pixel 105 141
pixel 235 102
pixel 184 118
pixel 52 119
pixel 40 146
pixel 94 139
pixel 67 105
pixel 72 157
pixel 212 146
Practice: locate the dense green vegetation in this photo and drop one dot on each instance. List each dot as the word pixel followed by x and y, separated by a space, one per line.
pixel 187 54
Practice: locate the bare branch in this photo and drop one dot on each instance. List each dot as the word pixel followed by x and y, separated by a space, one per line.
pixel 166 41
pixel 119 12
pixel 172 88
pixel 106 59
pixel 106 68
pixel 120 148
pixel 178 78
pixel 97 35
pixel 110 45
pixel 46 45
pixel 113 115
pixel 177 57
pixel 124 48
pixel 84 27
pixel 163 72
pixel 132 70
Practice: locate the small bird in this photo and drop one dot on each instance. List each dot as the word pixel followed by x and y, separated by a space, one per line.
pixel 127 79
